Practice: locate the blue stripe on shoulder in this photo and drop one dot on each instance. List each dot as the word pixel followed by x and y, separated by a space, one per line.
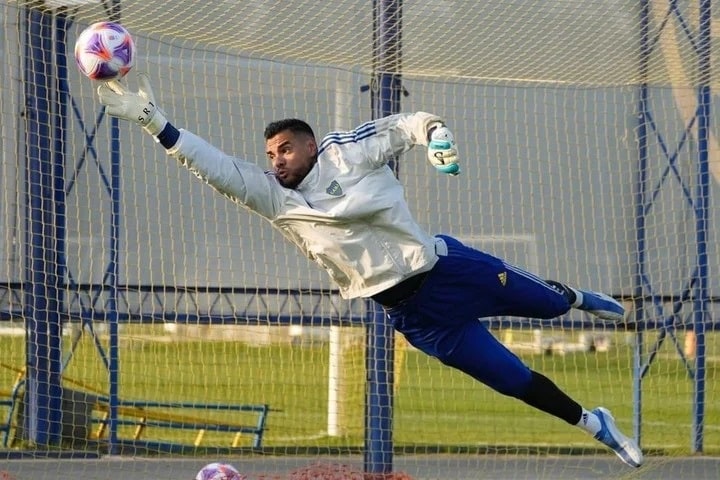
pixel 362 132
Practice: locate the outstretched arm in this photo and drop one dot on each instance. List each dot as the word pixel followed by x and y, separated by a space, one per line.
pixel 240 181
pixel 396 134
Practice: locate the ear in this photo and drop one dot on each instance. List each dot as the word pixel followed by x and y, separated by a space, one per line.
pixel 312 145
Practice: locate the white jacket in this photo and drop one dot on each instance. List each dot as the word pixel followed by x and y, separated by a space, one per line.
pixel 349 214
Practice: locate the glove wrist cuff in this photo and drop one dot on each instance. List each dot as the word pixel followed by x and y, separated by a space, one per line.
pixel 156 124
pixel 168 137
pixel 431 128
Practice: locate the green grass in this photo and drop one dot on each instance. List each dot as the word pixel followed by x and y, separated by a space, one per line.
pixel 434 404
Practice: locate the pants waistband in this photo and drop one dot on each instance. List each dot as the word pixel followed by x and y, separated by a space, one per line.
pixel 441 248
pixel 407 288
pixel 401 291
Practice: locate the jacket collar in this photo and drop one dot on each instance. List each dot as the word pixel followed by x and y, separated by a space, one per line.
pixel 311 179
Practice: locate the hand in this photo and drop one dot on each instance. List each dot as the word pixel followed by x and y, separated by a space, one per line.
pixel 442 151
pixel 137 107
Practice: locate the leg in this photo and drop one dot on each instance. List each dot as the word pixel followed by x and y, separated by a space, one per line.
pixel 476 352
pixel 442 321
pixel 472 349
pixel 496 288
pixel 480 285
pixel 545 395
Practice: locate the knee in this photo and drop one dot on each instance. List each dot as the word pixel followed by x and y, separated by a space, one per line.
pixel 516 384
pixel 505 374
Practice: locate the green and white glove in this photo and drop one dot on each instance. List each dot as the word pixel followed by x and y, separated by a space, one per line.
pixel 442 150
pixel 137 107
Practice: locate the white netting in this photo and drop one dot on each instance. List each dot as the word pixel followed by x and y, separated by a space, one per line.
pixel 545 100
pixel 566 42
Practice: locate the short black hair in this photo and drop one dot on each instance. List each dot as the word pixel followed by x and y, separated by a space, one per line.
pixel 293 124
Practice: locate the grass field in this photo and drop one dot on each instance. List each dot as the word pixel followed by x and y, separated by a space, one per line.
pixel 434 405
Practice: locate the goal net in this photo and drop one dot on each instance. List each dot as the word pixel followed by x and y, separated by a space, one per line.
pixel 181 326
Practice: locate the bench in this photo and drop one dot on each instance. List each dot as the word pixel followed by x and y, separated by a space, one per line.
pixel 144 414
pixel 10 400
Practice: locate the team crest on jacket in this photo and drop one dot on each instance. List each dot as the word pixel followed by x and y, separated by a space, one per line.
pixel 334 189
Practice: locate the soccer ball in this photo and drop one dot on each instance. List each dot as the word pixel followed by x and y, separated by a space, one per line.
pixel 105 51
pixel 219 471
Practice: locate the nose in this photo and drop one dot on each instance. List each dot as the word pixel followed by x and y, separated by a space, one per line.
pixel 278 161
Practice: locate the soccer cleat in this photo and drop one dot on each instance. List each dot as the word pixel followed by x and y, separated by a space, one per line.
pixel 624 447
pixel 600 304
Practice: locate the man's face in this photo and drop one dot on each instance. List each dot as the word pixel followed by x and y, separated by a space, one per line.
pixel 292 156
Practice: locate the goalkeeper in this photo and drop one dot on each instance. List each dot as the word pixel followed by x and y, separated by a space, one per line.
pixel 340 204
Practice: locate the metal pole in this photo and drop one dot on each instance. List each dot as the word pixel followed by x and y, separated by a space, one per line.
pixel 44 389
pixel 113 270
pixel 640 214
pixel 379 395
pixel 385 100
pixel 113 274
pixel 702 205
pixel 58 191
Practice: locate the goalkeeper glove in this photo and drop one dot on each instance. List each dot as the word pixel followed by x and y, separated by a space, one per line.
pixel 442 151
pixel 138 107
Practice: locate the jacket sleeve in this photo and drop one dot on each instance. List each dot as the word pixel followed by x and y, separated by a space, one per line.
pixel 242 182
pixel 396 134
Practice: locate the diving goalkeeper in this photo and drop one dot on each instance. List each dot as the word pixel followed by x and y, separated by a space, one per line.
pixel 341 205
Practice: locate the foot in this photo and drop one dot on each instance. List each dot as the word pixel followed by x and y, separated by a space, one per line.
pixel 624 447
pixel 600 304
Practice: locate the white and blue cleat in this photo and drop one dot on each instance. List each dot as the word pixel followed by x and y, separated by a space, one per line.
pixel 624 447
pixel 599 304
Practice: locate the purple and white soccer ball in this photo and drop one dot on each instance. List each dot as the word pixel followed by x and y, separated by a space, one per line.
pixel 219 471
pixel 105 51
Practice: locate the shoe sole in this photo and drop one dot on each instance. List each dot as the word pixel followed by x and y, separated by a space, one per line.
pixel 608 315
pixel 626 444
